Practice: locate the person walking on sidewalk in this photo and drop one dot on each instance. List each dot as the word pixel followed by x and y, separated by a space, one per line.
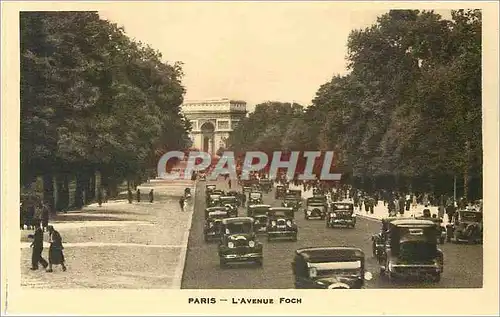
pixel 181 203
pixel 37 245
pixel 138 194
pixel 151 196
pixel 401 205
pixel 56 248
pixel 229 183
pixel 99 197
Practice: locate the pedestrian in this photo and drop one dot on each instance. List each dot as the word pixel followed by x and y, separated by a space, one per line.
pixel 401 205
pixel 138 194
pixel 45 216
pixel 130 196
pixel 99 197
pixel 56 248
pixel 229 183
pixel 106 196
pixel 372 205
pixel 181 203
pixel 450 211
pixel 151 196
pixel 391 206
pixel 37 245
pixel 414 201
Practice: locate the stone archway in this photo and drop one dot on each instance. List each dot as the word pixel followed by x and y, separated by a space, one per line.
pixel 207 134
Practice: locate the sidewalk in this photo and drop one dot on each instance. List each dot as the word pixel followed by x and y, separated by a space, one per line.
pixel 120 245
pixel 380 211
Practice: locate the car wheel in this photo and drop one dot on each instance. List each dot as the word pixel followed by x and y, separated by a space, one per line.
pixel 260 262
pixel 222 263
pixel 441 240
pixel 327 225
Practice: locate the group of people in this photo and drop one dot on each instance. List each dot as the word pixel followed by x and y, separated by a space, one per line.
pixel 138 195
pixel 56 256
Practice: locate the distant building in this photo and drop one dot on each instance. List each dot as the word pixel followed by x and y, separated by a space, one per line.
pixel 212 121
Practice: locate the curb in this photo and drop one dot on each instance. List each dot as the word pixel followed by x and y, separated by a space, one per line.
pixel 179 270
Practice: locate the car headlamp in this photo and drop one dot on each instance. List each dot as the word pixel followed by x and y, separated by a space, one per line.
pixel 251 244
pixel 211 225
pixel 313 272
pixel 308 212
pixel 273 223
pixel 257 221
pixel 334 214
pixel 230 245
pixel 289 223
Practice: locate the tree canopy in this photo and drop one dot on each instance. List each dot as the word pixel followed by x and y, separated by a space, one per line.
pixel 409 107
pixel 93 100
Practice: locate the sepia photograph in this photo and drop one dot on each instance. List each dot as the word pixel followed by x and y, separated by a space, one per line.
pixel 252 146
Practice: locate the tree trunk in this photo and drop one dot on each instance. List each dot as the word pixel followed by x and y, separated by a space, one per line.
pixel 62 185
pixel 48 191
pixel 466 169
pixel 80 186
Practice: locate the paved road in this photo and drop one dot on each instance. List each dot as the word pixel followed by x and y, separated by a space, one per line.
pixel 463 263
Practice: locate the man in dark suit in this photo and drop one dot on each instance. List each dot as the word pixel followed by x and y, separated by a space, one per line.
pixel 37 245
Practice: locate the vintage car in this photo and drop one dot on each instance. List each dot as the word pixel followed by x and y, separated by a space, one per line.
pixel 411 251
pixel 259 214
pixel 215 209
pixel 330 268
pixel 235 194
pixel 341 214
pixel 280 192
pixel 265 185
pixel 255 198
pixel 219 192
pixel 213 221
pixel 281 223
pixel 232 203
pixel 213 200
pixel 316 207
pixel 317 191
pixel 292 199
pixel 466 226
pixel 239 242
pixel 440 229
pixel 209 189
pixel 379 239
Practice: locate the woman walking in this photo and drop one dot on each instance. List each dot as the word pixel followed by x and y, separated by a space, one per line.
pixel 56 255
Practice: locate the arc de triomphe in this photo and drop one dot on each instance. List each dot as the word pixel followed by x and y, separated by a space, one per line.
pixel 213 121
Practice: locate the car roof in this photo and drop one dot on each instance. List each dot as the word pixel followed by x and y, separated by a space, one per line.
pixel 216 208
pixel 259 206
pixel 329 253
pixel 411 222
pixel 470 210
pixel 280 209
pixel 237 219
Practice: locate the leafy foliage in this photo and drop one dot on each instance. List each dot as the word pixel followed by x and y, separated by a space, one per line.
pixel 410 106
pixel 91 98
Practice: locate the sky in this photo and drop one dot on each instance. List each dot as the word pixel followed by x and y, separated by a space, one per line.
pixel 249 51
